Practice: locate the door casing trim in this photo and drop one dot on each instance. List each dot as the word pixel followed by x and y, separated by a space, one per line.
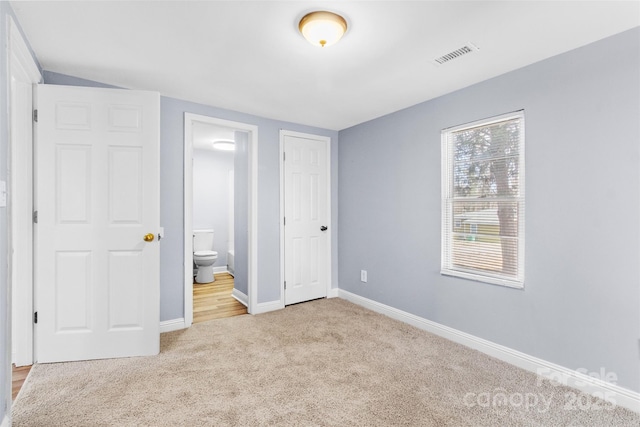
pixel 19 56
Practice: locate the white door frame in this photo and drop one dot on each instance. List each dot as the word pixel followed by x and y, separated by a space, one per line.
pixel 327 140
pixel 252 288
pixel 22 67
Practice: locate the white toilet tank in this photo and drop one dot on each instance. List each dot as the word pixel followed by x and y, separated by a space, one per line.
pixel 202 240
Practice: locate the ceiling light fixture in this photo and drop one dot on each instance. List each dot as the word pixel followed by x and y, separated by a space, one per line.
pixel 322 28
pixel 224 145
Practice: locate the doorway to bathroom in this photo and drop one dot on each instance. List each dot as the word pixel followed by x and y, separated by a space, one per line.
pixel 213 222
pixel 219 217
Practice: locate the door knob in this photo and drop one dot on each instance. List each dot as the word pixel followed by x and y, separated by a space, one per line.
pixel 148 237
pixel 323 228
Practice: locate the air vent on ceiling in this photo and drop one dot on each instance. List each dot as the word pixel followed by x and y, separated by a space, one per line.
pixel 464 50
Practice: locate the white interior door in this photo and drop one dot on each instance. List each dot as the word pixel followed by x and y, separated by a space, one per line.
pixel 97 197
pixel 306 202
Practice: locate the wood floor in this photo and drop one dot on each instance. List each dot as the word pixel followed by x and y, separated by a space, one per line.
pixel 214 300
pixel 210 301
pixel 18 376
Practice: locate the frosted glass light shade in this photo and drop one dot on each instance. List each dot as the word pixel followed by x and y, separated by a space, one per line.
pixel 224 145
pixel 322 28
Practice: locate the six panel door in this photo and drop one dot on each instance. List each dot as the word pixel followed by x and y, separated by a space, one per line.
pixel 97 196
pixel 306 214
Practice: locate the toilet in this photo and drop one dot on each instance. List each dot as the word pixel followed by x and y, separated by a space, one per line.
pixel 203 255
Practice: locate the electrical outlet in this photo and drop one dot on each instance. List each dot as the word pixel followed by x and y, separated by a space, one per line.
pixel 363 276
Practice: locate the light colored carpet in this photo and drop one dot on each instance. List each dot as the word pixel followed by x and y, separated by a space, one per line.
pixel 322 363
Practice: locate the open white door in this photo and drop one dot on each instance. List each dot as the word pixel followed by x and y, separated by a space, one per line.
pixel 97 199
pixel 306 222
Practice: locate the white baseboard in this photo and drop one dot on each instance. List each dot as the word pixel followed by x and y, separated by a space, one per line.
pixel 5 421
pixel 558 374
pixel 333 293
pixel 217 270
pixel 241 297
pixel 172 325
pixel 265 307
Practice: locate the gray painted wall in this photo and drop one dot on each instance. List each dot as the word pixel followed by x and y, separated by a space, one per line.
pixel 581 304
pixel 211 197
pixel 171 149
pixel 171 195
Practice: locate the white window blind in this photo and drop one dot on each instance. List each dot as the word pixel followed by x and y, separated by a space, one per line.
pixel 483 200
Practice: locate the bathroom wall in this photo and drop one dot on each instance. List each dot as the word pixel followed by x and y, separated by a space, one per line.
pixel 580 306
pixel 241 210
pixel 211 196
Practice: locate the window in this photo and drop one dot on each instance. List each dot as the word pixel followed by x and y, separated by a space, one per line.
pixel 483 200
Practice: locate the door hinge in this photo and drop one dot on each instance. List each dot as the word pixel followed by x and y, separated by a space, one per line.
pixel 284 221
pixel 285 284
pixel 35 116
pixel 284 156
pixel 35 217
pixel 35 317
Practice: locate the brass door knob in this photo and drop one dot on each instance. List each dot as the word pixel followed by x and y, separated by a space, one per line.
pixel 148 237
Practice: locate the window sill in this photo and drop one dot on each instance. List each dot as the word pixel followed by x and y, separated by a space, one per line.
pixel 516 284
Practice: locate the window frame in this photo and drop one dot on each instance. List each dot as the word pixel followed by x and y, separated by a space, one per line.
pixel 447 220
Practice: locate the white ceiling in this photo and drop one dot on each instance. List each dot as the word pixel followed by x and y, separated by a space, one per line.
pixel 248 56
